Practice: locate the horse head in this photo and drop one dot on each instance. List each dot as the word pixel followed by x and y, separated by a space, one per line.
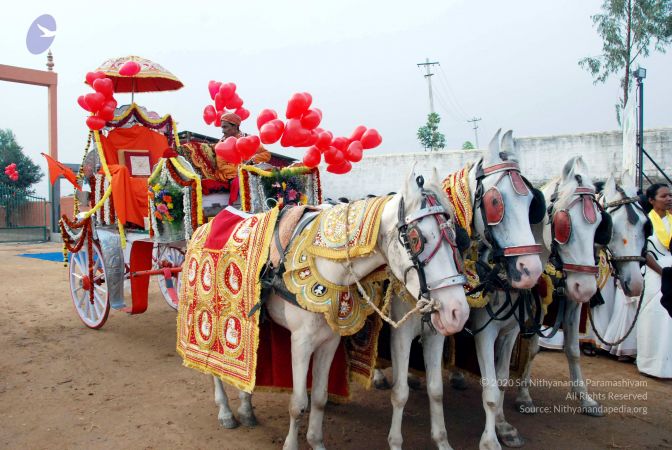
pixel 418 238
pixel 628 240
pixel 505 204
pixel 576 223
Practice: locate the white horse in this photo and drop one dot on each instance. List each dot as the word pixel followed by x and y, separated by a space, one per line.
pixel 625 247
pixel 310 332
pixel 574 225
pixel 501 203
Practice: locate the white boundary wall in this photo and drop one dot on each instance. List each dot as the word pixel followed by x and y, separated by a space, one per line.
pixel 542 159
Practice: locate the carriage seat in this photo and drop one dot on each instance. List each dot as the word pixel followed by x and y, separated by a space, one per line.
pixel 129 192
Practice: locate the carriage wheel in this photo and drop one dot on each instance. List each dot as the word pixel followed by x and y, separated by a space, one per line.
pixel 92 312
pixel 166 256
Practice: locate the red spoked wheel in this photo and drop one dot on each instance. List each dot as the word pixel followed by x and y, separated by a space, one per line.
pixel 168 257
pixel 93 312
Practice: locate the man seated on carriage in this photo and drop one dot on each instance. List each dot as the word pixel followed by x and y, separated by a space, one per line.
pixel 217 174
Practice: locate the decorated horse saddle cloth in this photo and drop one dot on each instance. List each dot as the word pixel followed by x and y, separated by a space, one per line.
pixel 344 307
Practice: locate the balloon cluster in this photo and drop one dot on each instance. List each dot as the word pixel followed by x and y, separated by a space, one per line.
pixel 226 100
pixel 302 130
pixel 100 103
pixel 236 150
pixel 11 172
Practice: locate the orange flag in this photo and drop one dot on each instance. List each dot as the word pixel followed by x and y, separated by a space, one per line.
pixel 56 168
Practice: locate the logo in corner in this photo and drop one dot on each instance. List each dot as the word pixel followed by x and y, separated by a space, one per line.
pixel 41 34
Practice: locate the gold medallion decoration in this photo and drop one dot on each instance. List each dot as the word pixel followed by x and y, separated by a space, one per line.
pixel 344 308
pixel 215 335
pixel 604 269
pixel 328 231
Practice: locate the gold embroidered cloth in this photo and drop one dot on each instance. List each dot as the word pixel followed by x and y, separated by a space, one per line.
pixel 219 288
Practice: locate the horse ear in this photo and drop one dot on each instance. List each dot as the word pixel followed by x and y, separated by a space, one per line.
pixel 409 187
pixel 610 187
pixel 494 147
pixel 568 169
pixel 434 179
pixel 506 151
pixel 628 182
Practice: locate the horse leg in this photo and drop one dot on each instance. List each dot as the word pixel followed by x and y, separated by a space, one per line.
pixel 225 416
pixel 322 358
pixel 432 348
pixel 571 345
pixel 301 350
pixel 506 432
pixel 379 380
pixel 524 402
pixel 485 343
pixel 400 342
pixel 245 410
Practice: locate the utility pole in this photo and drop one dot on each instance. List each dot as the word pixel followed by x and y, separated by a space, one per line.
pixel 429 75
pixel 474 121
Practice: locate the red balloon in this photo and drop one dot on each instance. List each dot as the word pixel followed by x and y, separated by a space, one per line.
pixel 270 132
pixel 213 88
pixel 209 114
pixel 82 102
pixel 242 113
pixel 354 151
pixel 247 146
pixel 298 104
pixel 371 138
pixel 340 169
pixel 95 101
pixel 227 150
pixel 95 122
pixel 104 86
pixel 227 90
pixel 129 69
pixel 333 156
pixel 312 157
pixel 110 103
pixel 265 116
pixel 218 119
pixel 296 135
pixel 234 102
pixel 340 143
pixel 106 113
pixel 220 102
pixel 357 134
pixel 93 76
pixel 311 119
pixel 324 140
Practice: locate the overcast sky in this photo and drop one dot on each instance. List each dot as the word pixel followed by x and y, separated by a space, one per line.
pixel 511 63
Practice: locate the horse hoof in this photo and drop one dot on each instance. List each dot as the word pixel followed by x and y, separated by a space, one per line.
pixel 525 406
pixel 229 423
pixel 249 421
pixel 593 411
pixel 512 440
pixel 458 383
pixel 382 385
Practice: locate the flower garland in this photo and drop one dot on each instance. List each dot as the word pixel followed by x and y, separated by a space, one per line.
pixel 74 242
pixel 188 216
pixel 80 172
pixel 155 124
pixel 285 186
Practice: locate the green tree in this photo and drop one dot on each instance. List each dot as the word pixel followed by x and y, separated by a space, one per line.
pixel 429 135
pixel 468 145
pixel 11 152
pixel 628 29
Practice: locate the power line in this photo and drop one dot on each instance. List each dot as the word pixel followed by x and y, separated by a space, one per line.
pixel 451 93
pixel 429 76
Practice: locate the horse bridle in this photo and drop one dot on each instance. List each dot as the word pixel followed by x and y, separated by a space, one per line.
pixel 411 237
pixel 580 192
pixel 509 169
pixel 632 218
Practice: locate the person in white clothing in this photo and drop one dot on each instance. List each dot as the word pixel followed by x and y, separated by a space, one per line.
pixel 654 327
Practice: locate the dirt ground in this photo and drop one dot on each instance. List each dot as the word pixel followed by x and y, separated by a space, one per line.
pixel 63 386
